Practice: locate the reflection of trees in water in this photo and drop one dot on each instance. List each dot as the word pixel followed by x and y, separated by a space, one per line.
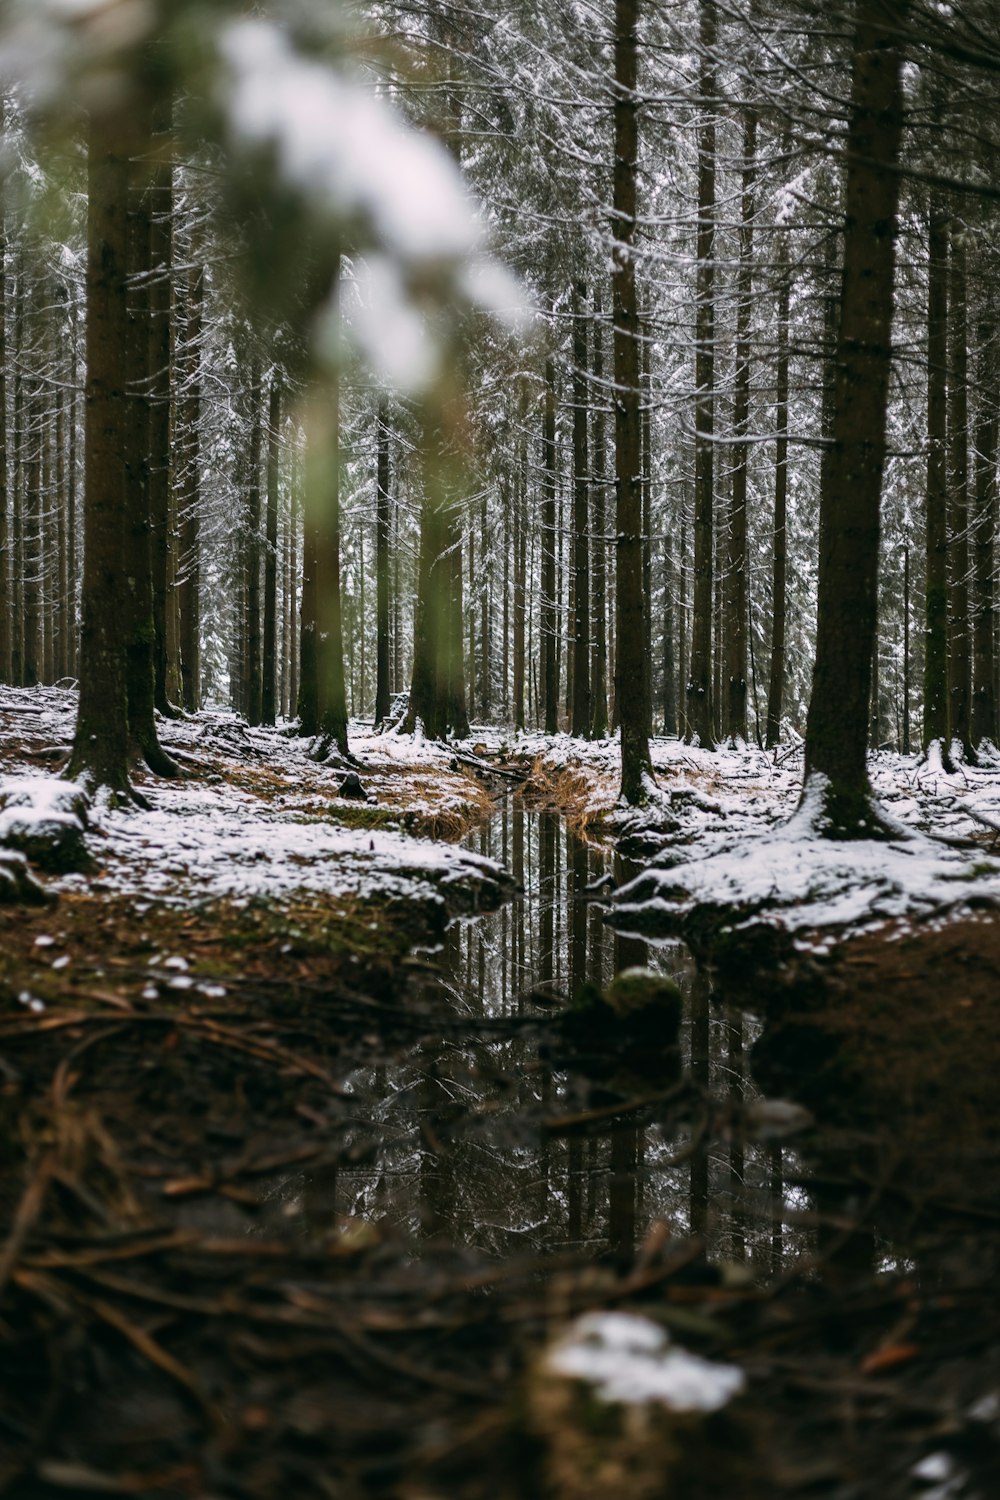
pixel 460 1150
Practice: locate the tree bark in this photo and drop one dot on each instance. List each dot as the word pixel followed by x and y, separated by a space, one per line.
pixel 520 564
pixel 383 519
pixel 959 641
pixel 599 550
pixel 329 608
pixel 252 654
pixel 936 607
pixel 737 617
pixel 160 367
pixel 547 611
pixel 851 484
pixel 6 570
pixel 189 497
pixel 582 708
pixel 779 530
pixel 269 664
pixel 630 604
pixel 701 718
pixel 100 745
pixel 139 623
pixel 984 707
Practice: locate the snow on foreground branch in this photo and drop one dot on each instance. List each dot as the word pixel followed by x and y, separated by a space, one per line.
pixel 308 129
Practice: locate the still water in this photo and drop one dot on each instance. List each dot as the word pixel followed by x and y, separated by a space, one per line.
pixel 482 1135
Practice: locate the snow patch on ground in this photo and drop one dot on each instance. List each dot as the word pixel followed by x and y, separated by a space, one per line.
pixel 631 1361
pixel 265 829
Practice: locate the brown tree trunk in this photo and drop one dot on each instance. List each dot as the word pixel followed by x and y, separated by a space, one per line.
pixel 599 550
pixel 959 642
pixel 17 492
pixel 139 623
pixel 6 571
pixel 383 519
pixel 669 670
pixel 189 496
pixel 701 717
pixel 547 612
pixel 779 556
pixel 31 511
pixel 520 582
pixel 851 485
pixel 737 618
pixel 100 744
pixel 307 698
pixel 252 654
pixel 269 663
pixel 984 707
pixel 329 607
pixel 161 206
pixel 630 604
pixel 582 711
pixel 936 705
pixel 484 615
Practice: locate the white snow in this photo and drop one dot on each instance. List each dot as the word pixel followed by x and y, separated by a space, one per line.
pixel 630 1360
pixel 205 837
pixel 728 831
pixel 341 144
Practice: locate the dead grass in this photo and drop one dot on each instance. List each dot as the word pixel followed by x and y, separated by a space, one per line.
pixel 580 792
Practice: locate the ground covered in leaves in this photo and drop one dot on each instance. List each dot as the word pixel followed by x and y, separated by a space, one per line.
pixel 182 1034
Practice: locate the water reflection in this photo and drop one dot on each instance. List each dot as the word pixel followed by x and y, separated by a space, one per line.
pixel 453 1138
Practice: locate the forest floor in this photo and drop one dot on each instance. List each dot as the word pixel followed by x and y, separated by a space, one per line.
pixel 182 1032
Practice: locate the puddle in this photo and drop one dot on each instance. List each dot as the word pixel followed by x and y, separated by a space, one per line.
pixel 468 1136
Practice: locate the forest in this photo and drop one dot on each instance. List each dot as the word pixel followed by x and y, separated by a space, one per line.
pixel 499 770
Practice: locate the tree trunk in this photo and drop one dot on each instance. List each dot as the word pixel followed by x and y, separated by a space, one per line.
pixel 160 368
pixel 851 484
pixel 984 707
pixel 959 654
pixel 669 669
pixel 599 663
pixel 6 570
pixel 936 606
pixel 484 614
pixel 779 556
pixel 329 609
pixel 582 710
pixel 630 604
pixel 31 504
pixel 139 621
pixel 100 745
pixel 383 518
pixel 520 582
pixel 547 613
pixel 906 650
pixel 252 659
pixel 307 698
pixel 189 497
pixel 735 726
pixel 701 717
pixel 269 664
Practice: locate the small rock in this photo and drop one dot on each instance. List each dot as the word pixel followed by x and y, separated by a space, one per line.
pixel 16 882
pixel 351 787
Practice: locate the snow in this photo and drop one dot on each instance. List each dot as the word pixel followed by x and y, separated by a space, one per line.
pixel 341 144
pixel 206 837
pixel 630 1360
pixel 210 841
pixel 728 832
